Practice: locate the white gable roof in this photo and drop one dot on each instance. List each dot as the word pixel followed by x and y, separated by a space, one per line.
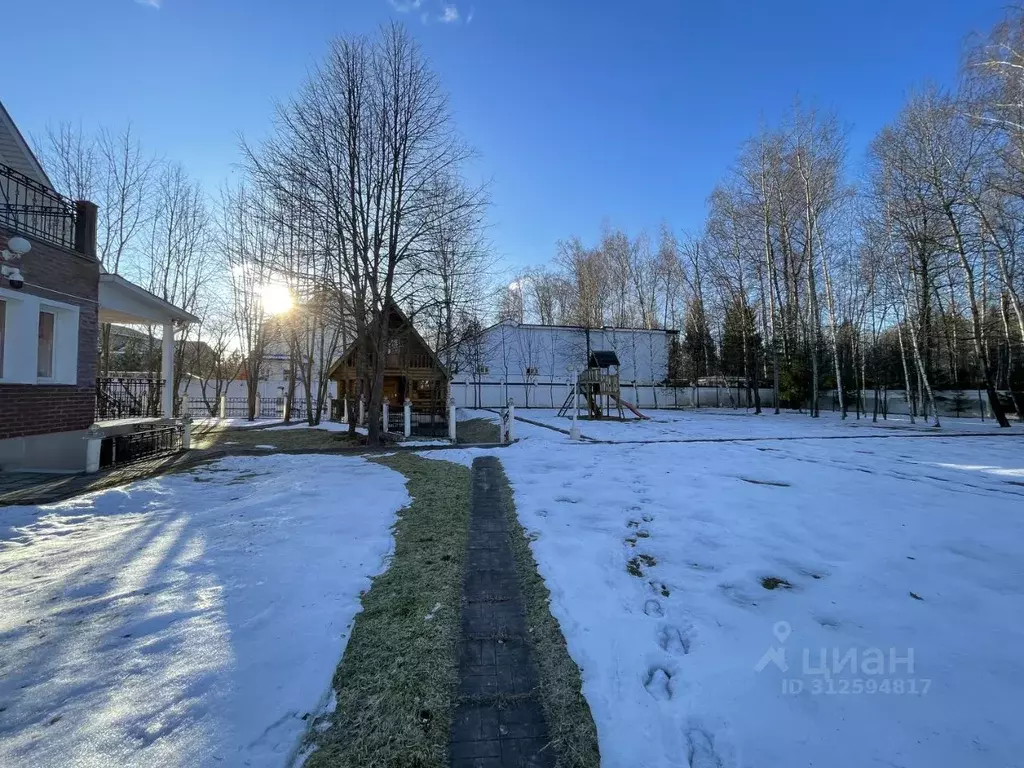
pixel 15 152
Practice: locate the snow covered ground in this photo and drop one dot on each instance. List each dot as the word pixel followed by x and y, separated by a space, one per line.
pixel 190 620
pixel 665 425
pixel 234 423
pixel 326 426
pixel 889 550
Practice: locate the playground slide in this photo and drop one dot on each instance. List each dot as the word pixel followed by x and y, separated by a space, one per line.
pixel 631 407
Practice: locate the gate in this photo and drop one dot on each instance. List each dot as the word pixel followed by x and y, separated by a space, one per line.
pixel 430 421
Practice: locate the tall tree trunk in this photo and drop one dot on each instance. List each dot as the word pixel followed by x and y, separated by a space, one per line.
pixel 980 345
pixel 906 373
pixel 830 301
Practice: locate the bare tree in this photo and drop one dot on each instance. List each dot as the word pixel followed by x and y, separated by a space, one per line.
pixel 179 266
pixel 247 243
pixel 366 141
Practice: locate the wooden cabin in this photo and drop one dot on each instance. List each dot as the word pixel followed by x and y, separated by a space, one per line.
pixel 411 370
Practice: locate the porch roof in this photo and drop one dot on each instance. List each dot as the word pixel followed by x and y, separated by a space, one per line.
pixel 122 301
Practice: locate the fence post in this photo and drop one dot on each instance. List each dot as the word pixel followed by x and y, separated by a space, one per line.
pixel 285 406
pixel 223 406
pixel 186 432
pixel 184 408
pixel 408 417
pixel 259 406
pixel 93 441
pixel 344 409
pixel 511 420
pixel 386 411
pixel 362 411
pixel 451 419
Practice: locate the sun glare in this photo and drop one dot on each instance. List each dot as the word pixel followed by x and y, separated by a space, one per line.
pixel 276 298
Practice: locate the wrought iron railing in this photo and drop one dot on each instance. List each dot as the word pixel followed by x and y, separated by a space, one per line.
pixel 127 398
pixel 271 408
pixel 33 209
pixel 396 420
pixel 144 443
pixel 198 409
pixel 236 407
pixel 429 421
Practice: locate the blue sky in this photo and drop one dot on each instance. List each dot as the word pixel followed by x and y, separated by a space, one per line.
pixel 581 111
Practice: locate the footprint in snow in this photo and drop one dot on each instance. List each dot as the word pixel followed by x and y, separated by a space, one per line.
pixel 648 518
pixel 658 683
pixel 653 608
pixel 676 641
pixel 701 750
pixel 660 588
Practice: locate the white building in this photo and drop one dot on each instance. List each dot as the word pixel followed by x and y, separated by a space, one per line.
pixel 532 364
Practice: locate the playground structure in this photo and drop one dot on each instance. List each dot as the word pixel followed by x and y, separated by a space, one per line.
pixel 599 386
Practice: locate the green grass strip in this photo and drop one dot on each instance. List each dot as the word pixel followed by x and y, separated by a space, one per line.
pixel 570 723
pixel 397 682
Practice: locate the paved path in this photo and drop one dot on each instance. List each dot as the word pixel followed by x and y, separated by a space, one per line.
pixel 499 721
pixel 39 488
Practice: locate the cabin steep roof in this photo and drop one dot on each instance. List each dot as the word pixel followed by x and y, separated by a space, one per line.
pixel 394 311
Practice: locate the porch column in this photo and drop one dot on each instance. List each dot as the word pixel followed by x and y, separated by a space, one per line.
pixel 167 371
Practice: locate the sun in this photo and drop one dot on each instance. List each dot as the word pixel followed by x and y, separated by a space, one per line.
pixel 276 298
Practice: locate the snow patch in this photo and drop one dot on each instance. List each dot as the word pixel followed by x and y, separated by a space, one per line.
pixel 188 620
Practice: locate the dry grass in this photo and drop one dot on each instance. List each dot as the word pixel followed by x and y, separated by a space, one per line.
pixel 235 438
pixel 478 431
pixel 396 684
pixel 570 724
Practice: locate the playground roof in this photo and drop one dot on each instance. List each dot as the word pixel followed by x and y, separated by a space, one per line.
pixel 603 359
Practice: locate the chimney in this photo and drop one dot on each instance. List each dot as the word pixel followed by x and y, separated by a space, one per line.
pixel 85 227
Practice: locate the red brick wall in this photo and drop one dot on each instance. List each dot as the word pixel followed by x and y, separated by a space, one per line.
pixel 26 409
pixel 72 278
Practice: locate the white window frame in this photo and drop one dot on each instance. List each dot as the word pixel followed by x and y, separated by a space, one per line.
pixel 21 343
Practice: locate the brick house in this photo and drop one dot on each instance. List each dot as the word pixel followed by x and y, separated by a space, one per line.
pixel 53 296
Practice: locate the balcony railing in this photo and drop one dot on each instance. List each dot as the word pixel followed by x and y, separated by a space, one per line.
pixel 144 443
pixel 128 398
pixel 34 210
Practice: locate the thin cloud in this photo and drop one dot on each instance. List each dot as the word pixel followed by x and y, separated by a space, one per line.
pixel 402 6
pixel 150 3
pixel 450 14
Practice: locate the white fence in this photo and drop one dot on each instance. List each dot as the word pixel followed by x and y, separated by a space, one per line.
pixel 965 404
pixel 496 394
pixel 951 404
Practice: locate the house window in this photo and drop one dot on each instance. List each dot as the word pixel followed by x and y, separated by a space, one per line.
pixel 531 371
pixel 482 369
pixel 3 328
pixel 44 360
pixel 53 358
